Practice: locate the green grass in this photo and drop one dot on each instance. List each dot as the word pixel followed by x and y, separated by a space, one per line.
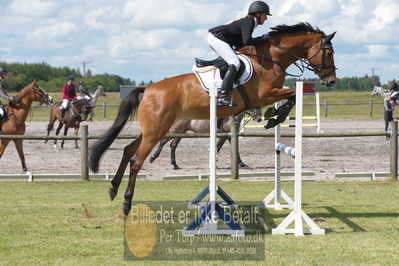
pixel 46 223
pixel 333 111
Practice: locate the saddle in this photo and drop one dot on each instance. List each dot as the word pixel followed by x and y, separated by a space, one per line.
pixel 3 113
pixel 221 65
pixel 211 73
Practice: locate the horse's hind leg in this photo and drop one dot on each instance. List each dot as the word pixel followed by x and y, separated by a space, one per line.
pixel 159 149
pixel 173 147
pixel 144 149
pixel 128 153
pixel 65 134
pixel 76 134
pixel 20 150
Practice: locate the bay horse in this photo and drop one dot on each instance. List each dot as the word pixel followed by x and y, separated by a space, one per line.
pixel 76 113
pixel 182 97
pixel 203 126
pixel 14 124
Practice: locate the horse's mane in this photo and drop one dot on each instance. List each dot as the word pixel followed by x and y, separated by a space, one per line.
pixel 26 90
pixel 300 27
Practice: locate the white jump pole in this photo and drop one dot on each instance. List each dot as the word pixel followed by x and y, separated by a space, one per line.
pixel 277 194
pixel 298 215
pixel 317 95
pixel 212 151
pixel 209 212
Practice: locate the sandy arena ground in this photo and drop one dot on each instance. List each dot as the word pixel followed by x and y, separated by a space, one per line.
pixel 325 156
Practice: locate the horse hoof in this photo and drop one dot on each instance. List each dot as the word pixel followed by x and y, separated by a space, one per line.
pixel 270 124
pixel 112 193
pixel 243 166
pixel 126 208
pixel 176 167
pixel 152 159
pixel 270 112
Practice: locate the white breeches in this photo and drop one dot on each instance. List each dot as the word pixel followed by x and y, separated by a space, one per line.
pixel 65 104
pixel 224 51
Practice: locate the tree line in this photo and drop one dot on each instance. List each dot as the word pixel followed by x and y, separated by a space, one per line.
pixel 365 83
pixel 52 79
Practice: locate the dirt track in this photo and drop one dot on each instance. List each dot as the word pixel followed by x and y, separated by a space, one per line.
pixel 325 156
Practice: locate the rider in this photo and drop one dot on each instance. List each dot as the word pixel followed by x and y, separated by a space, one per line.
pixel 395 92
pixel 3 93
pixel 227 38
pixel 83 92
pixel 69 92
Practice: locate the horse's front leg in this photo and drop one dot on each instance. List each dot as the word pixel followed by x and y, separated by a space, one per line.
pixel 57 132
pixel 65 134
pixel 277 94
pixel 76 134
pixel 19 145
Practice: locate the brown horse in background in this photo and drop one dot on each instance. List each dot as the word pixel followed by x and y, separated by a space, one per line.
pixel 14 124
pixel 203 126
pixel 77 112
pixel 182 97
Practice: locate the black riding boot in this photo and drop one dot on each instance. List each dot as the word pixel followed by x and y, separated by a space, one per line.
pixel 62 110
pixel 227 85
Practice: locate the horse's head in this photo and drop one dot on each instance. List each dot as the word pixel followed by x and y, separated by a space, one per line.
pixel 302 44
pixel 377 90
pixel 36 93
pixel 321 59
pixel 82 108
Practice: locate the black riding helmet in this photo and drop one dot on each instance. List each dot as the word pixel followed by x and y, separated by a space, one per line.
pixel 3 70
pixel 259 7
pixel 71 78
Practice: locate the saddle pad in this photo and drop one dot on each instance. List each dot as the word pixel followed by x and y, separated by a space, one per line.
pixel 211 77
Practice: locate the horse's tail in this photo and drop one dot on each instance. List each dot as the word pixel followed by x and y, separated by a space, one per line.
pixel 53 110
pixel 128 106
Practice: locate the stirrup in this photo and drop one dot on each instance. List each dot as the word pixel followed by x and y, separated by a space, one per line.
pixel 225 102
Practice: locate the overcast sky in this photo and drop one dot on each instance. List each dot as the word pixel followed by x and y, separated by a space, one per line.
pixel 154 39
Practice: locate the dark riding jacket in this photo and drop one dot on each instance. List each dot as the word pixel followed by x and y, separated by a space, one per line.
pixel 69 91
pixel 238 33
pixel 3 93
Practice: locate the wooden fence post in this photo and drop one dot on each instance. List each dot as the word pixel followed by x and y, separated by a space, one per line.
pixel 371 107
pixel 84 152
pixel 105 109
pixel 234 150
pixel 394 150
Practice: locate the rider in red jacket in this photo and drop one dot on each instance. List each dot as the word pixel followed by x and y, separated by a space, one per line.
pixel 69 92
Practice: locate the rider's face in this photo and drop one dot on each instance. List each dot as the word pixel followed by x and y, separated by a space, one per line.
pixel 4 75
pixel 262 18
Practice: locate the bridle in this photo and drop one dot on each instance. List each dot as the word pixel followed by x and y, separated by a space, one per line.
pixel 302 63
pixel 41 94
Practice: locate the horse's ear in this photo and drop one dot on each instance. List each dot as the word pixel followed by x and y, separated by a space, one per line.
pixel 328 38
